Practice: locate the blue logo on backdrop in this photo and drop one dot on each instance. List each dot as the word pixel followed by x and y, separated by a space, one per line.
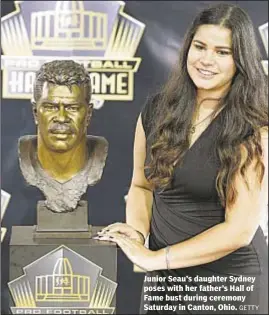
pixel 97 34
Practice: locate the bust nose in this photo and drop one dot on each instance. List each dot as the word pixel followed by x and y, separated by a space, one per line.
pixel 62 116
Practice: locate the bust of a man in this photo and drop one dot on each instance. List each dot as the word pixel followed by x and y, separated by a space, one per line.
pixel 62 160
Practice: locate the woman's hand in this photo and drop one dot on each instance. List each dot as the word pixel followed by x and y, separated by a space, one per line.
pixel 124 230
pixel 138 254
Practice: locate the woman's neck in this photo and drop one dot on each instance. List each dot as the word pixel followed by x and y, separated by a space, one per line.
pixel 208 99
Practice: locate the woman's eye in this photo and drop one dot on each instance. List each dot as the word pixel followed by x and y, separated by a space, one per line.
pixel 199 47
pixel 223 52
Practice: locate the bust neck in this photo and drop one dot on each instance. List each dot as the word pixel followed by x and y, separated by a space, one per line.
pixel 62 166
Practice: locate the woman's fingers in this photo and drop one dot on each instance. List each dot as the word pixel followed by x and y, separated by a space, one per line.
pixel 113 226
pixel 123 229
pixel 125 243
pixel 117 227
pixel 116 237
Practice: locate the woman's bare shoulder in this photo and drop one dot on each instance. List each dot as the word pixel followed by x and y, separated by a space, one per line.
pixel 264 132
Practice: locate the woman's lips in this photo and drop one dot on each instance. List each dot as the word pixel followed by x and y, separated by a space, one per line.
pixel 207 74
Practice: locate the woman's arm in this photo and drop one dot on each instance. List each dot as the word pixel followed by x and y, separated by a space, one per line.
pixel 139 200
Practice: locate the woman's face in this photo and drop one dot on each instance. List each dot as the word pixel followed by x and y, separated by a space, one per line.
pixel 210 60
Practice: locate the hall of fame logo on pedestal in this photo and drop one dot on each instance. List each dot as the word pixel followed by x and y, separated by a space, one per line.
pixel 62 282
pixel 5 197
pixel 97 34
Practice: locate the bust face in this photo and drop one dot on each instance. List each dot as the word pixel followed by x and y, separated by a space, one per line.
pixel 62 116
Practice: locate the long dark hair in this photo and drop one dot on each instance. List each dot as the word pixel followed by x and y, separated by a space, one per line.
pixel 245 108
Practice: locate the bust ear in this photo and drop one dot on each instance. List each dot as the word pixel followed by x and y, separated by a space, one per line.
pixel 34 110
pixel 89 114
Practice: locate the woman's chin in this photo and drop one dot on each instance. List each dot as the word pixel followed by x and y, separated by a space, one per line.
pixel 207 86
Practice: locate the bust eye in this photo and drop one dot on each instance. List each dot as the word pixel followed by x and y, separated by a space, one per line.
pixel 50 108
pixel 72 108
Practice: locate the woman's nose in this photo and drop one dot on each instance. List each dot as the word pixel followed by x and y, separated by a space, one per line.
pixel 207 58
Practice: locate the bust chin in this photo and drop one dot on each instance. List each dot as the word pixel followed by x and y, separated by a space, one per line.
pixel 62 196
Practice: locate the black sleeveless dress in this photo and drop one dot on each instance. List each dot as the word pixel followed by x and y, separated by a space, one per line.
pixel 189 206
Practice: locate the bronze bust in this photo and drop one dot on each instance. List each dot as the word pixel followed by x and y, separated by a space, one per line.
pixel 62 160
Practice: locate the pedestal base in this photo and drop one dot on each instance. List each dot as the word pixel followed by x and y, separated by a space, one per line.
pixel 75 221
pixel 63 235
pixel 26 250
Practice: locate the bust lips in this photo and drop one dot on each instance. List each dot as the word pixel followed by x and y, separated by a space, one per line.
pixel 61 129
pixel 61 133
pixel 61 136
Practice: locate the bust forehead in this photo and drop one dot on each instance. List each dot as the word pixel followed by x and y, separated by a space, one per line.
pixel 60 92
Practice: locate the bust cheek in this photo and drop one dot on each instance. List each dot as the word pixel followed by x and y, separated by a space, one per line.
pixel 79 123
pixel 43 117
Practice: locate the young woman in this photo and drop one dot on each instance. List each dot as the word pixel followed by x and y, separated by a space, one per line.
pixel 200 175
